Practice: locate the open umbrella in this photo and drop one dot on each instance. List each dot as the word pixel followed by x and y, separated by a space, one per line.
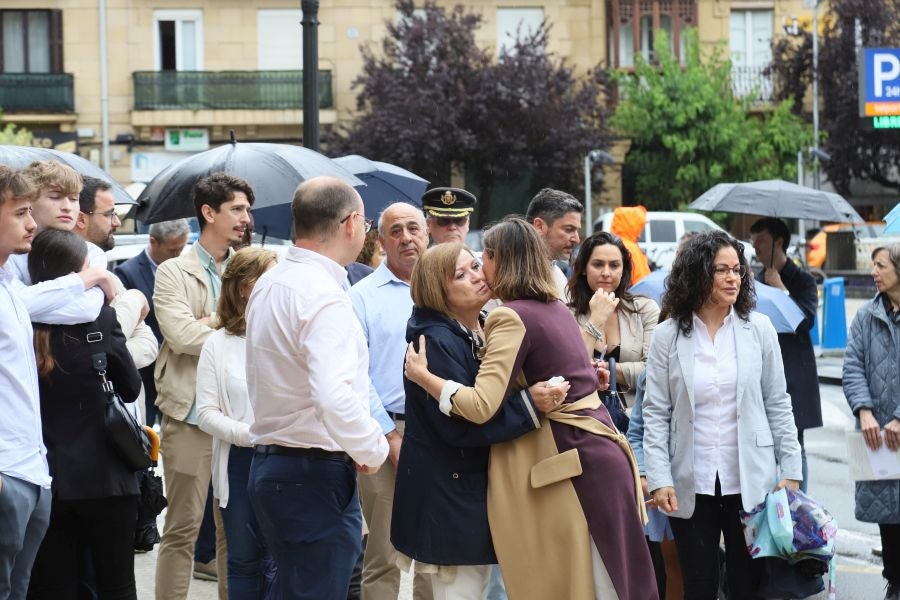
pixel 273 170
pixel 770 301
pixel 777 198
pixel 893 220
pixel 385 183
pixel 19 157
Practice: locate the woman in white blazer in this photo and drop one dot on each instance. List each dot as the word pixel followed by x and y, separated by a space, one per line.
pixel 224 412
pixel 719 429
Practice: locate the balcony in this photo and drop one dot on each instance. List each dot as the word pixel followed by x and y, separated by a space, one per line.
pixel 225 90
pixel 752 83
pixel 37 93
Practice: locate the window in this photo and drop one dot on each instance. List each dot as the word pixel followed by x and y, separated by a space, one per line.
pixel 696 226
pixel 633 23
pixel 280 39
pixel 178 40
pixel 31 41
pixel 513 22
pixel 662 231
pixel 750 38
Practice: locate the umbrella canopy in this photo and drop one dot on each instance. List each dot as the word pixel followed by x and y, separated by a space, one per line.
pixel 777 198
pixel 893 220
pixel 273 170
pixel 770 301
pixel 385 183
pixel 19 157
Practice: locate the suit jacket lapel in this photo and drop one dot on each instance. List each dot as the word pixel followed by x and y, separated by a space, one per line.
pixel 146 273
pixel 743 341
pixel 685 347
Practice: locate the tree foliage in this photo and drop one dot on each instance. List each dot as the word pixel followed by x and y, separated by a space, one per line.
pixel 855 152
pixel 689 132
pixel 430 98
pixel 16 136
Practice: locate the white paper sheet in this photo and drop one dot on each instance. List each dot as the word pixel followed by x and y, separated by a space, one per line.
pixel 869 465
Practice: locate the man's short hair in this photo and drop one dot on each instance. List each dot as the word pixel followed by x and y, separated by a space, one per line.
pixel 88 196
pixel 319 206
pixel 52 175
pixel 217 189
pixel 169 229
pixel 774 227
pixel 14 184
pixel 549 205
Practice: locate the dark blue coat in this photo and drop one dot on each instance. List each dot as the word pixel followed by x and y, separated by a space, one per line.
pixel 440 499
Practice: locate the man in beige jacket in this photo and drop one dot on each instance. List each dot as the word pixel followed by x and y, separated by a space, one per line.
pixel 184 299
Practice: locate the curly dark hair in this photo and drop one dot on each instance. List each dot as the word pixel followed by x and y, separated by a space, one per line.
pixel 690 283
pixel 579 290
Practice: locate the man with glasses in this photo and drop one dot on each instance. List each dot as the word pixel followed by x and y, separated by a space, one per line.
pixel 308 385
pixel 383 305
pixel 447 210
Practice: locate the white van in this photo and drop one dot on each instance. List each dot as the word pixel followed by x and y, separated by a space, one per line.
pixel 663 230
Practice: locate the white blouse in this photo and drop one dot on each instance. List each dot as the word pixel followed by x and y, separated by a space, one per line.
pixel 223 404
pixel 715 409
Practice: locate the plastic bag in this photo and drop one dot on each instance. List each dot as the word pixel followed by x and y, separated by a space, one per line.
pixel 789 525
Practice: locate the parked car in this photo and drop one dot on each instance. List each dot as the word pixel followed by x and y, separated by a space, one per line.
pixel 816 245
pixel 663 231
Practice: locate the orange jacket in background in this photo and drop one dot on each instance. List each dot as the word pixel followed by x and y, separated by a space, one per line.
pixel 627 223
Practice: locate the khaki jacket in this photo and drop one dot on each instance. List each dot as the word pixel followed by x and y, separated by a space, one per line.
pixel 181 297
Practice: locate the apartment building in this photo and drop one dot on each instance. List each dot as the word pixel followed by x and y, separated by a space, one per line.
pixel 182 73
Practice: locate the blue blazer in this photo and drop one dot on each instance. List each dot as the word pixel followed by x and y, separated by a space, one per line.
pixel 137 274
pixel 767 437
pixel 442 479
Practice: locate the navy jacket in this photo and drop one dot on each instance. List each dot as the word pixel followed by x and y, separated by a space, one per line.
pixel 797 351
pixel 137 274
pixel 440 498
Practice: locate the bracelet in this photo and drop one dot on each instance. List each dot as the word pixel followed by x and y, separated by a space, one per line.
pixel 592 331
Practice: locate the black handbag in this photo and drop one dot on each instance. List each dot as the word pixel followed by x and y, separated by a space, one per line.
pixel 613 400
pixel 125 435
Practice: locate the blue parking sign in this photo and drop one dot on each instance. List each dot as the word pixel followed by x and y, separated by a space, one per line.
pixel 880 82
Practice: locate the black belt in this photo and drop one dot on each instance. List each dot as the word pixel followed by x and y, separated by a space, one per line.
pixel 396 416
pixel 314 453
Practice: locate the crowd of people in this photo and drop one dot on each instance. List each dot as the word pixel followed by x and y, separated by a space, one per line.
pixel 383 398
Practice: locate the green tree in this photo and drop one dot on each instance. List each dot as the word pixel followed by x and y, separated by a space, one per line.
pixel 16 136
pixel 689 132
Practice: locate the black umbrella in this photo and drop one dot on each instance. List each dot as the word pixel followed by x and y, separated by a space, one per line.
pixel 273 170
pixel 152 500
pixel 19 157
pixel 385 183
pixel 777 198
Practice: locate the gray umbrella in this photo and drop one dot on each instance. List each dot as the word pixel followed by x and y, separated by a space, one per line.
pixel 777 198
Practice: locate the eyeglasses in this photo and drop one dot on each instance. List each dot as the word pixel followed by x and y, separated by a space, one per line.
pixel 110 214
pixel 723 272
pixel 367 223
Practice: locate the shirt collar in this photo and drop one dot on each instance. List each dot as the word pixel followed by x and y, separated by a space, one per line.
pixel 383 276
pixel 153 263
pixel 728 321
pixel 208 262
pixel 339 273
pixel 6 272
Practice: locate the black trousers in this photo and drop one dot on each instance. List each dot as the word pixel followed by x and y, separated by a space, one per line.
pixel 102 526
pixel 890 552
pixel 697 540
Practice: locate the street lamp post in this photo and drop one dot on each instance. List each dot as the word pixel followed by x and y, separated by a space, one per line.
pixel 310 73
pixel 590 159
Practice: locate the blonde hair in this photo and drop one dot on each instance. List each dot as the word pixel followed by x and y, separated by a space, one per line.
pixel 51 175
pixel 13 184
pixel 522 268
pixel 245 268
pixel 432 272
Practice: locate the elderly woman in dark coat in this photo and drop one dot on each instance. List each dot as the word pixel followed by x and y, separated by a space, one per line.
pixel 872 386
pixel 442 474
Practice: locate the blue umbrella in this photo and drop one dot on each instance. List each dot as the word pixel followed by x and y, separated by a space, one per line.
pixel 893 220
pixel 385 183
pixel 770 301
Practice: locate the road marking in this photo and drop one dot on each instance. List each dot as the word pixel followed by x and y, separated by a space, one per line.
pixel 858 569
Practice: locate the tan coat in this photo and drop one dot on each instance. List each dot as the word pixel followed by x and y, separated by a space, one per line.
pixel 540 533
pixel 181 297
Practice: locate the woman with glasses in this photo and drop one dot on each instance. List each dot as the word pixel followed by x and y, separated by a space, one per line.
pixel 613 322
pixel 719 430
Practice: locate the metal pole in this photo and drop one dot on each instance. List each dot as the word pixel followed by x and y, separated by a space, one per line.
pixel 310 73
pixel 815 89
pixel 800 224
pixel 588 208
pixel 104 88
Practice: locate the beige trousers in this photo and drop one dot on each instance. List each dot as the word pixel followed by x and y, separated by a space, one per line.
pixel 381 575
pixel 187 470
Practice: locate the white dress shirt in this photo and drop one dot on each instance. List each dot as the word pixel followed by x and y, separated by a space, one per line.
pixel 223 404
pixel 81 307
pixel 22 451
pixel 307 370
pixel 715 409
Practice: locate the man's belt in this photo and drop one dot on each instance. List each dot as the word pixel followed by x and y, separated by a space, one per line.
pixel 396 416
pixel 313 453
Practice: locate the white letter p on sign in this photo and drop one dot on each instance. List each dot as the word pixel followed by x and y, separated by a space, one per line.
pixel 887 68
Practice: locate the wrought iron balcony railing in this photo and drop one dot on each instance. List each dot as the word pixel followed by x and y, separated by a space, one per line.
pixel 223 90
pixel 752 83
pixel 37 92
